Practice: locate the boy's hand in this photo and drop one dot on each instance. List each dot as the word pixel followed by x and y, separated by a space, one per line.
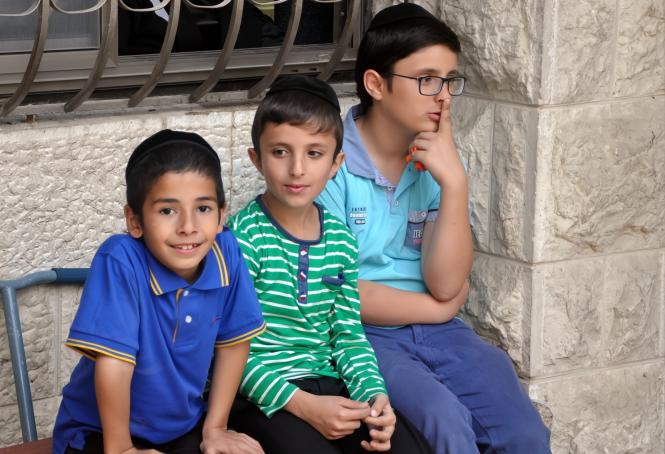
pixel 224 441
pixel 333 416
pixel 437 152
pixel 381 424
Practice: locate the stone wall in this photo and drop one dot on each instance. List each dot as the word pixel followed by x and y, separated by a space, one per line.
pixel 564 132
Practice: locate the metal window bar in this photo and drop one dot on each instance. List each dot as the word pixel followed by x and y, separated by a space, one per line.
pixel 109 21
pixel 8 290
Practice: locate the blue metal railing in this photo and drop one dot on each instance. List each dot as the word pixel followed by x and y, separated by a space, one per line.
pixel 15 336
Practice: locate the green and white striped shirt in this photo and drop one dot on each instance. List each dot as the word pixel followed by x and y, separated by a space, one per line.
pixel 309 296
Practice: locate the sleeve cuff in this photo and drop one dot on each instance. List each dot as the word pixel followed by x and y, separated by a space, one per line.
pixel 242 337
pixel 90 347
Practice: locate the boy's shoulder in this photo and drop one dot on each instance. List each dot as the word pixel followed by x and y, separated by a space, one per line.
pixel 122 247
pixel 334 226
pixel 245 218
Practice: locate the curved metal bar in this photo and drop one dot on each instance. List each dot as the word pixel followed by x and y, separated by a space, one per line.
pixel 109 24
pixel 27 12
pixel 327 1
pixel 163 4
pixel 33 64
pixel 287 44
pixel 219 5
pixel 342 42
pixel 164 55
pixel 225 55
pixel 55 6
pixel 275 2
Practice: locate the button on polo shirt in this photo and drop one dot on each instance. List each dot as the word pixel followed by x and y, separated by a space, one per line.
pixel 136 310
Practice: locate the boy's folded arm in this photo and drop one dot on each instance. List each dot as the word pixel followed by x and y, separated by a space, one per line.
pixel 113 379
pixel 447 247
pixel 267 389
pixel 383 305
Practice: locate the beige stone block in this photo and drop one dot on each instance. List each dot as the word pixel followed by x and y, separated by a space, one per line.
pixel 601 179
pixel 246 181
pixel 578 51
pixel 602 311
pixel 499 306
pixel 606 411
pixel 36 308
pixel 501 46
pixel 45 412
pixel 472 126
pixel 64 190
pixel 640 54
pixel 513 162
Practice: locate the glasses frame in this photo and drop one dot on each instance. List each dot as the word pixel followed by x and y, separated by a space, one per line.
pixel 445 81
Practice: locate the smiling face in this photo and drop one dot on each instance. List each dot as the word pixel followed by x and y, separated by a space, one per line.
pixel 296 162
pixel 399 98
pixel 179 221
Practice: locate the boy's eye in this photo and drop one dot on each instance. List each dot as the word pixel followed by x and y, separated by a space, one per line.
pixel 205 209
pixel 279 152
pixel 166 211
pixel 315 153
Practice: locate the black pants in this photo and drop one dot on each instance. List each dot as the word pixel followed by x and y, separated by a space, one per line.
pixel 187 444
pixel 285 433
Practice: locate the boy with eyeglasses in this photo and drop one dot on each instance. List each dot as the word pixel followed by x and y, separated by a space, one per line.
pixel 403 192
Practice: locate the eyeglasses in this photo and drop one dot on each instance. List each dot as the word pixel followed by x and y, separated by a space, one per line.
pixel 432 85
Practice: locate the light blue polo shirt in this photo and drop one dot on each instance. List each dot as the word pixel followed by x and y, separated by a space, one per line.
pixel 388 221
pixel 136 310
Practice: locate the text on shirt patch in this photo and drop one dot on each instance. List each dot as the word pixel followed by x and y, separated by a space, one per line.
pixel 358 215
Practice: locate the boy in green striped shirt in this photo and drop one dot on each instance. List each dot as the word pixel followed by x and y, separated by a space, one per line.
pixel 312 382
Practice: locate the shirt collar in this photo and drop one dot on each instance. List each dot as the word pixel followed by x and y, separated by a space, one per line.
pixel 357 161
pixel 214 275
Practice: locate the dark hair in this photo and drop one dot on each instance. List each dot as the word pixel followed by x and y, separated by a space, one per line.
pixel 382 47
pixel 298 108
pixel 173 156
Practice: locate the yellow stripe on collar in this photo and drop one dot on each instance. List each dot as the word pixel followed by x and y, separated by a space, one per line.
pixel 154 285
pixel 221 263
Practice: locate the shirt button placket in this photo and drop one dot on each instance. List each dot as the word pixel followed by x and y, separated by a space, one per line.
pixel 303 267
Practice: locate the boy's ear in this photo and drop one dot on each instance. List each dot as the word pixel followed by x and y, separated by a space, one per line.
pixel 337 163
pixel 134 227
pixel 375 84
pixel 255 157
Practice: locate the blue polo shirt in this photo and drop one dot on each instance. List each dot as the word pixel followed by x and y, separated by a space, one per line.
pixel 388 220
pixel 136 310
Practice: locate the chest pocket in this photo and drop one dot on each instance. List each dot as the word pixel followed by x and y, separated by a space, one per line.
pixel 414 229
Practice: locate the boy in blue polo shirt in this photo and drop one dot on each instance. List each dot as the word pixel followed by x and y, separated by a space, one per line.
pixel 414 240
pixel 158 304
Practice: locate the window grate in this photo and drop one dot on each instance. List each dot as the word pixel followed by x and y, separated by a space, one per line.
pixel 109 69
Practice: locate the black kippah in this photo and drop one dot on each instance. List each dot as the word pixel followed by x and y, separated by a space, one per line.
pixel 168 137
pixel 307 84
pixel 398 13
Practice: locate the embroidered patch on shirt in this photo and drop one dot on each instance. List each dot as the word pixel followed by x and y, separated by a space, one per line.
pixel 358 215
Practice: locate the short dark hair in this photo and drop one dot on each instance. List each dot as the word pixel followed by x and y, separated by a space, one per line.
pixel 383 46
pixel 298 108
pixel 177 156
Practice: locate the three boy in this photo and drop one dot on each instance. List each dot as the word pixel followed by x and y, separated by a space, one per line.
pixel 414 240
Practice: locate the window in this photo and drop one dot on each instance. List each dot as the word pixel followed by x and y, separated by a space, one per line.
pixel 92 44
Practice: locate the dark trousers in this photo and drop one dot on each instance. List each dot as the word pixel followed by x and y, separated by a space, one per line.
pixel 285 433
pixel 187 444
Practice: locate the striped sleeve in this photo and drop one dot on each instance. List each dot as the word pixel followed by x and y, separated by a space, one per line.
pixel 354 357
pixel 267 389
